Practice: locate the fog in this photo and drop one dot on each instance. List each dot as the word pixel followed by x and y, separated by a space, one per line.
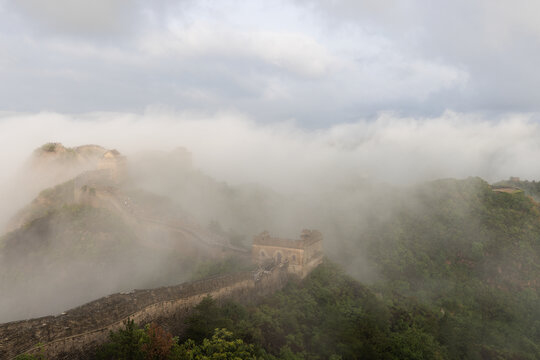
pixel 232 147
pixel 246 177
pixel 286 158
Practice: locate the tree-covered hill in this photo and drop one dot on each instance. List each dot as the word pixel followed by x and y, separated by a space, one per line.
pixel 473 255
pixel 531 188
pixel 458 268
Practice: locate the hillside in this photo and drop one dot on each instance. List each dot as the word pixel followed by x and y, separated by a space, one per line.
pixel 531 188
pixel 94 235
pixel 455 262
pixel 78 253
pixel 240 211
pixel 458 269
pixel 472 255
pixel 49 165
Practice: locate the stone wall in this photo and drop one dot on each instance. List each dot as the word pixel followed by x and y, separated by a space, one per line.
pixel 301 255
pixel 262 253
pixel 76 333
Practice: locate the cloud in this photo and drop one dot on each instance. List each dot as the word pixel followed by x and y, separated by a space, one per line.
pixel 496 43
pixel 305 60
pixel 79 17
pixel 302 60
pixel 101 21
pixel 234 148
pixel 320 172
pixel 293 52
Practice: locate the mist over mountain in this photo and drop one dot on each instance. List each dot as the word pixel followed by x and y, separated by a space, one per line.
pixel 457 247
pixel 94 226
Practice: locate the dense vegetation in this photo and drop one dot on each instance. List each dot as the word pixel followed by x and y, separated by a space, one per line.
pixel 531 188
pixel 473 255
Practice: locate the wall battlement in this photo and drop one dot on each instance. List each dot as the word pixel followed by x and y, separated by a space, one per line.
pixel 75 333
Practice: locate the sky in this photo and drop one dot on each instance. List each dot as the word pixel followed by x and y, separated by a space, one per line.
pixel 317 63
pixel 401 91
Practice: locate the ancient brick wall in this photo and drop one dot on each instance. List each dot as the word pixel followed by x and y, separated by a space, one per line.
pixel 301 255
pixel 76 333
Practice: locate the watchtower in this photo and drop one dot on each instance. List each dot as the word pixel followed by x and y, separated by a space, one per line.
pixel 115 164
pixel 301 255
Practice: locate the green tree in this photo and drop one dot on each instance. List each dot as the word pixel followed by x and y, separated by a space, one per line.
pixel 206 317
pixel 124 344
pixel 222 346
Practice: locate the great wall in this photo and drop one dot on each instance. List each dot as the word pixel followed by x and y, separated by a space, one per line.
pixel 77 332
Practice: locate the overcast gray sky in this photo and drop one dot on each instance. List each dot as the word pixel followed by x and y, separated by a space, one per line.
pixel 318 63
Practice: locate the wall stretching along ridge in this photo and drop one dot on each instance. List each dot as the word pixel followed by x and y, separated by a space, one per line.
pixel 76 333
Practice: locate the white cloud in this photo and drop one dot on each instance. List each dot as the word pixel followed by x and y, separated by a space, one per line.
pixel 307 60
pixel 232 147
pixel 79 16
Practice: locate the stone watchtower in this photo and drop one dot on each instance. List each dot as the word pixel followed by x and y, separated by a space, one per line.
pixel 114 163
pixel 302 255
